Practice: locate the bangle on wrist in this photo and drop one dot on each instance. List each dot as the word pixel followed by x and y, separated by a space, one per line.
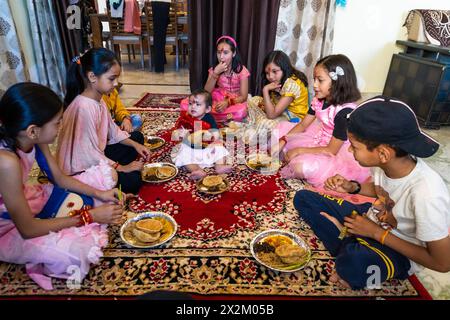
pixel 115 165
pixel 358 187
pixel 84 216
pixel 283 138
pixel 384 235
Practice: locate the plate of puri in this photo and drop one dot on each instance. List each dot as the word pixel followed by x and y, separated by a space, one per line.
pixel 159 172
pixel 213 184
pixel 263 163
pixel 148 230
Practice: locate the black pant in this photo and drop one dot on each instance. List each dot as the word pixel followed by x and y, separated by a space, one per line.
pixel 360 261
pixel 160 23
pixel 130 182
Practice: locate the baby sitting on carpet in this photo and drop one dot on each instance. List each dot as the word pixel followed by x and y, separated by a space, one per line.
pixel 201 146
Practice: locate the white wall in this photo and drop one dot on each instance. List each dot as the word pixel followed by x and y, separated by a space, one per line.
pixel 366 31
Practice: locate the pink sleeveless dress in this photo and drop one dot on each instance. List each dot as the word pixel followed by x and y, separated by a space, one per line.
pixel 226 87
pixel 64 254
pixel 316 168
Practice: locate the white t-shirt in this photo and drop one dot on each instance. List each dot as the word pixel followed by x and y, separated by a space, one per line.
pixel 419 203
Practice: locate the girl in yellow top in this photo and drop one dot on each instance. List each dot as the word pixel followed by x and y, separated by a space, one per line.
pixel 121 116
pixel 285 93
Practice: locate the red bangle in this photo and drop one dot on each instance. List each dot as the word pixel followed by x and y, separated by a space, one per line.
pixel 283 138
pixel 84 215
pixel 115 165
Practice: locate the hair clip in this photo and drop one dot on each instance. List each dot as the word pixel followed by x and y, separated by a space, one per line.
pixel 339 72
pixel 77 59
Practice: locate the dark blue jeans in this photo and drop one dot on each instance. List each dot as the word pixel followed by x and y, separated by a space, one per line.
pixel 360 261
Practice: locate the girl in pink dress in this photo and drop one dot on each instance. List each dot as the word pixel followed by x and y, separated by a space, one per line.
pixel 53 231
pixel 227 82
pixel 88 131
pixel 317 147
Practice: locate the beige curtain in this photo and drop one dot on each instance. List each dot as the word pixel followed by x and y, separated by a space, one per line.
pixel 47 44
pixel 305 32
pixel 30 47
pixel 11 61
pixel 19 14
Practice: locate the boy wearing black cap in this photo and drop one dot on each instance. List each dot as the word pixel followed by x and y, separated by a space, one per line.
pixel 406 228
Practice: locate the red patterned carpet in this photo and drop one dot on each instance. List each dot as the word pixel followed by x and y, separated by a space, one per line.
pixel 210 254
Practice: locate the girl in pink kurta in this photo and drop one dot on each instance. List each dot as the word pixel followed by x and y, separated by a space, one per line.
pixel 88 127
pixel 227 82
pixel 42 226
pixel 317 147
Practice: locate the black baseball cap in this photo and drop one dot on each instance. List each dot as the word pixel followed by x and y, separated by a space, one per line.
pixel 390 121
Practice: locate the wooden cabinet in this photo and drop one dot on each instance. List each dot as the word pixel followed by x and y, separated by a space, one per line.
pixel 420 76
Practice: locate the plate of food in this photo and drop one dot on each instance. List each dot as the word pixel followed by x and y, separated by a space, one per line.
pixel 153 142
pixel 159 172
pixel 200 139
pixel 280 250
pixel 148 230
pixel 233 129
pixel 212 184
pixel 263 163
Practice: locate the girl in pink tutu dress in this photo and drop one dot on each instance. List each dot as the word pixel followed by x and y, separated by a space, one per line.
pixel 228 83
pixel 317 147
pixel 91 147
pixel 54 232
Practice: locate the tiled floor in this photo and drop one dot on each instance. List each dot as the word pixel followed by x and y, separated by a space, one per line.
pixel 137 82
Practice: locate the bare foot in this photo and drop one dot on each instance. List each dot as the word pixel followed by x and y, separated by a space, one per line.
pixel 197 174
pixel 339 281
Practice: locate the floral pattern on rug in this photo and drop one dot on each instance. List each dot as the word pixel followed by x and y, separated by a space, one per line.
pixel 207 256
pixel 152 101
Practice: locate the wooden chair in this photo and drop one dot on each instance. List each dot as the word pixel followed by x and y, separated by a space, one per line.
pixel 98 35
pixel 118 36
pixel 172 31
pixel 182 22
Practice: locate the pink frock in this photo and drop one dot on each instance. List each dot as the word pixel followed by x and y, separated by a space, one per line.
pixel 87 127
pixel 64 254
pixel 226 87
pixel 316 168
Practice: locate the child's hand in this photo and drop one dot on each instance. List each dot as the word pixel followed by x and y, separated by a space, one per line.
pixel 360 225
pixel 133 166
pixel 109 196
pixel 179 134
pixel 220 68
pixel 126 125
pixel 221 106
pixel 272 86
pixel 142 151
pixel 183 133
pixel 334 220
pixel 338 183
pixel 108 213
